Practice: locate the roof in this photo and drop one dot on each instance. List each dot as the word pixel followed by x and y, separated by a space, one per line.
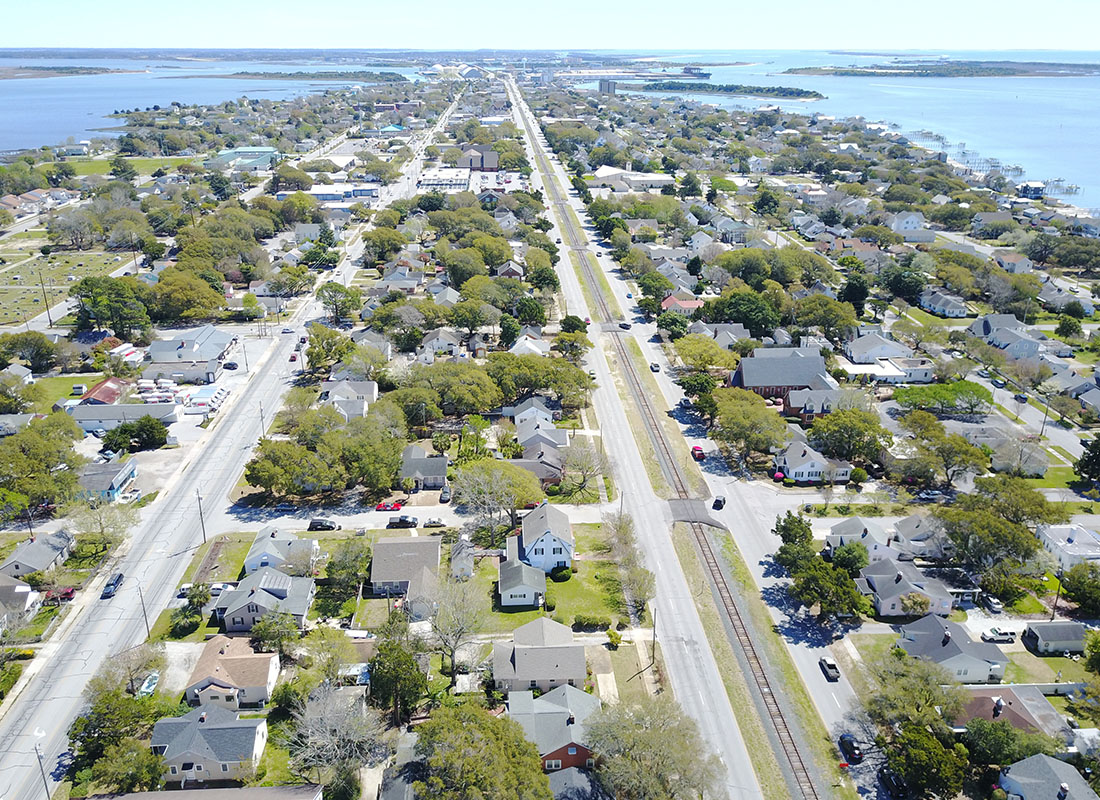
pixel 1022 707
pixel 416 463
pixel 283 544
pixel 555 719
pixel 208 731
pixel 796 370
pixel 1060 631
pixel 203 344
pixel 547 519
pixel 399 559
pixel 573 783
pixel 307 791
pixel 865 344
pixel 937 639
pixel 536 426
pixel 1041 775
pixel 108 392
pixel 541 649
pixel 271 589
pixel 42 551
pixel 889 578
pixel 231 661
pixel 106 476
pixel 857 529
pixel 1073 540
pixel 798 454
pixel 515 573
pixel 542 632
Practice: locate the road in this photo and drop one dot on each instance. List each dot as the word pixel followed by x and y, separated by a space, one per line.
pixel 49 695
pixel 692 671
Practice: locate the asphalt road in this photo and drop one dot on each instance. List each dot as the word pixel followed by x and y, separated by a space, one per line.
pixel 691 667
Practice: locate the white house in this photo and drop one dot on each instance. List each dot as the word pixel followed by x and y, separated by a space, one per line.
pixel 546 539
pixel 942 304
pixel 802 463
pixel 1070 544
pixel 274 548
pixel 868 349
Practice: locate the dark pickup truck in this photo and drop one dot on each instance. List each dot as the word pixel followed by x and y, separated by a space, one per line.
pixel 404 521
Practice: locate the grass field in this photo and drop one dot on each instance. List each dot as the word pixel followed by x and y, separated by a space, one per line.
pixel 144 166
pixel 624 663
pixel 22 284
pixel 61 387
pixel 1055 478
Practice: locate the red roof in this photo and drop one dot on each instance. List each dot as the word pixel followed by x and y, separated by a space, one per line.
pixel 107 392
pixel 673 300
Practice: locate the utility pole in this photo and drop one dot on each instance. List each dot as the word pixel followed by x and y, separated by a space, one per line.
pixel 45 299
pixel 263 425
pixel 144 615
pixel 1057 595
pixel 202 521
pixel 42 770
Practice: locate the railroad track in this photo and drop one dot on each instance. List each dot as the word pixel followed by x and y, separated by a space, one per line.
pixel 787 752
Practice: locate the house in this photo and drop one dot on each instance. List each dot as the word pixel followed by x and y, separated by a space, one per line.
pixel 94 417
pixel 531 408
pixel 683 306
pixel 1070 544
pixel 868 349
pixel 18 602
pixel 542 655
pixel 911 226
pixel 1016 263
pixel 921 535
pixel 264 591
pixel 983 219
pixel 528 345
pixel 107 392
pixel 555 723
pixel 866 532
pixel 398 563
pixel 107 481
pixel 509 269
pixel 942 304
pixel 535 430
pixel 230 674
pixel 19 372
pixel 545 540
pixel 784 369
pixel 209 743
pixel 1055 637
pixel 275 548
pixel 442 342
pixel 308 791
pixel 351 399
pixel 202 345
pixel 426 472
pixel 1043 777
pixel 462 558
pixel 1023 707
pixel 1056 298
pixel 544 461
pixel 808 404
pixel 800 462
pixel 11 424
pixel 40 553
pixel 519 584
pixel 947 644
pixel 895 589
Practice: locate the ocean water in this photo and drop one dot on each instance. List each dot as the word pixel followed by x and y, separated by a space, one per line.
pixel 41 111
pixel 1047 126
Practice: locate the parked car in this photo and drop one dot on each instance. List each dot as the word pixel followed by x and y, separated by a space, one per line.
pixel 998 636
pixel 218 588
pixel 303 339
pixel 149 685
pixel 983 373
pixel 293 356
pixel 992 603
pixel 630 295
pixel 99 433
pixel 288 330
pixel 404 521
pixel 719 502
pixel 654 367
pixel 388 507
pixel 61 594
pixel 624 325
pixel 892 783
pixel 433 522
pixel 1020 397
pixel 322 524
pixel 298 347
pixel 829 667
pixel 697 453
pixel 112 586
pixel 685 402
pixel 850 748
pixel 998 382
pixel 184 589
pixel 230 365
pixel 445 494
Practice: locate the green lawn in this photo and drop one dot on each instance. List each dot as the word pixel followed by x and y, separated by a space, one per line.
pixel 1055 478
pixel 624 662
pixel 589 538
pixel 1028 604
pixel 873 646
pixel 924 318
pixel 144 166
pixel 274 768
pixel 61 387
pixel 372 612
pixel 37 626
pixel 161 629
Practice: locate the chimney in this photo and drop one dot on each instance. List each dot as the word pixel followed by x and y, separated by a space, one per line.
pixel 572 719
pixel 202 717
pixel 1063 791
pixel 998 706
pixel 897 578
pixel 946 635
pixel 273 533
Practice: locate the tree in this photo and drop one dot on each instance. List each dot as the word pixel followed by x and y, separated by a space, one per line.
pixel 1082 585
pixel 106 522
pixel 1068 328
pixel 529 311
pixel 17 397
pixel 851 434
pixel 381 243
pixel 333 736
pixel 469 753
pixel 700 352
pixel 689 186
pixel 347 567
pixel 327 347
pixel 766 202
pixel 673 324
pixel 129 766
pixel 198 596
pixel 851 557
pixel 493 490
pixel 396 680
pixel 915 604
pixel 122 169
pixel 1041 248
pixel 855 291
pixel 999 742
pixel 745 422
pixel 793 529
pixel 275 632
pixel 1088 465
pixel 34 347
pixel 457 619
pixel 652 750
pixel 581 463
pixel 984 538
pixel 912 690
pixel 112 716
pixel 341 301
pixel 571 323
pixel 832 317
pixel 509 330
pixel 572 346
pixel 329 651
pixel 925 764
pixel 827 586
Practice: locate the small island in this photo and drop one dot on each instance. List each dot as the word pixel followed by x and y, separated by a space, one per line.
pixel 16 73
pixel 344 76
pixel 786 92
pixel 955 69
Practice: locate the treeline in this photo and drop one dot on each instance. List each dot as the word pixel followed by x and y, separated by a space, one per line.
pixel 356 76
pixel 727 88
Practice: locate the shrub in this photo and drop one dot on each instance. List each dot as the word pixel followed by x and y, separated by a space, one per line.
pixel 553 491
pixel 8 676
pixel 590 622
pixel 788 482
pixel 550 602
pixel 614 639
pixel 561 574
pixel 859 475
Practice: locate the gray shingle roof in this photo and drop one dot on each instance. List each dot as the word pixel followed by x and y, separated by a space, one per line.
pixel 271 589
pixel 547 519
pixel 515 573
pixel 209 731
pixel 1041 775
pixel 555 719
pixel 938 639
pixel 40 553
pixel 795 371
pixel 398 559
pixel 415 463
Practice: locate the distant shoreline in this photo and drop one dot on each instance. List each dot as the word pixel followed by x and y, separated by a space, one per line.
pixel 725 89
pixel 324 77
pixel 917 68
pixel 22 73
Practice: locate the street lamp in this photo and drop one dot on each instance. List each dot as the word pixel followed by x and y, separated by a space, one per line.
pixel 202 521
pixel 42 770
pixel 1057 595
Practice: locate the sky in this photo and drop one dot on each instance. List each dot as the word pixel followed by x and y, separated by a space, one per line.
pixel 559 24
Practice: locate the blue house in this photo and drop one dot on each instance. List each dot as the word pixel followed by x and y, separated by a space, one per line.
pixel 107 481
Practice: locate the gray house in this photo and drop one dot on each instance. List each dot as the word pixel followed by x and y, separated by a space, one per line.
pixel 519 584
pixel 40 553
pixel 426 472
pixel 947 644
pixel 397 562
pixel 1042 777
pixel 542 655
pixel 265 591
pixel 1056 637
pixel 274 548
pixel 889 583
pixel 209 743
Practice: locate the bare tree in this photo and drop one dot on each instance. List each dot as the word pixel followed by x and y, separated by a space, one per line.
pixel 132 665
pixel 332 736
pixel 639 584
pixel 582 463
pixel 109 522
pixel 459 611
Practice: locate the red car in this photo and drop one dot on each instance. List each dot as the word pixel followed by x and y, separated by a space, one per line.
pixel 697 453
pixel 388 507
pixel 61 594
pixel 293 356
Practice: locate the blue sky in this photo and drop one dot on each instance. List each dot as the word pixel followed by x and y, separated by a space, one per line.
pixel 612 24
